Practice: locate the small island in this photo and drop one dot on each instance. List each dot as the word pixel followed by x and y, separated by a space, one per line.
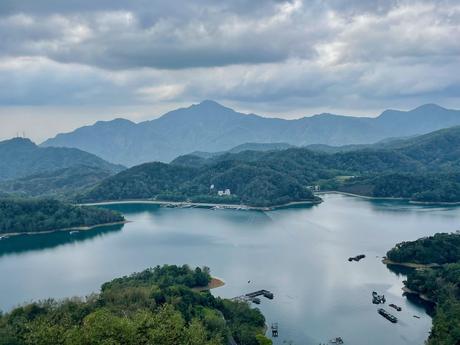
pixel 156 306
pixel 435 278
pixel 30 216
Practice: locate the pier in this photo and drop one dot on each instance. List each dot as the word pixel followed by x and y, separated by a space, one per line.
pixel 254 296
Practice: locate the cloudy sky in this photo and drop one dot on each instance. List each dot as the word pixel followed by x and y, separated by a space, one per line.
pixel 68 63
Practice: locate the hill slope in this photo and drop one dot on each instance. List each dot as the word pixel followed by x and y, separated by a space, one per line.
pixel 61 184
pixel 20 157
pixel 209 126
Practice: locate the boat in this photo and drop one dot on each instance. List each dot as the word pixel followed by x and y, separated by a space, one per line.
pixel 377 299
pixel 357 257
pixel 337 341
pixel 387 315
pixel 394 306
pixel 74 232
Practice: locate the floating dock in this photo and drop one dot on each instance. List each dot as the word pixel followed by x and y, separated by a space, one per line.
pixel 254 296
pixel 387 315
pixel 274 329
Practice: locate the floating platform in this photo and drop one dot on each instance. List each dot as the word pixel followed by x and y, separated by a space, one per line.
pixel 274 329
pixel 253 296
pixel 387 315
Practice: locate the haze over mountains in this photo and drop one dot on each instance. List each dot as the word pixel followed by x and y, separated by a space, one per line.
pixel 20 157
pixel 211 127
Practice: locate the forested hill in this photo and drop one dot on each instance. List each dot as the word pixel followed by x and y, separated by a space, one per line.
pixel 156 306
pixel 441 284
pixel 423 169
pixel 62 184
pixel 30 215
pixel 250 183
pixel 209 126
pixel 20 157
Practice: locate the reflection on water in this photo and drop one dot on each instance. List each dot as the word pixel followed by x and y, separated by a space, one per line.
pixel 300 254
pixel 24 243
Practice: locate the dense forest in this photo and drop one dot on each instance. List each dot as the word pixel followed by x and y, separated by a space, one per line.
pixel 421 169
pixel 249 183
pixel 156 306
pixel 440 249
pixel 441 285
pixel 36 215
pixel 62 184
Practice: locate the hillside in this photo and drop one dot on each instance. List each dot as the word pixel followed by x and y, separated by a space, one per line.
pixel 62 184
pixel 249 183
pixel 30 215
pixel 421 168
pixel 211 127
pixel 20 157
pixel 244 147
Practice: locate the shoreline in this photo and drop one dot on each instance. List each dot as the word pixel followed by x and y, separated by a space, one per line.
pixel 409 264
pixel 213 284
pixel 423 297
pixel 77 228
pixel 203 204
pixel 361 196
pixel 409 200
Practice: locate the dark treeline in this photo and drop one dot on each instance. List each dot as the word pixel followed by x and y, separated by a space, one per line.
pixel 156 306
pixel 35 215
pixel 441 284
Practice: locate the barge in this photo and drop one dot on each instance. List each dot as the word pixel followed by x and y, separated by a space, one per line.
pixel 387 315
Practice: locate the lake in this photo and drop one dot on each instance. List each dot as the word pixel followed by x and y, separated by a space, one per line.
pixel 300 254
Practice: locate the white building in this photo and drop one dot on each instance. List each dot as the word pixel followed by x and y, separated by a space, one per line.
pixel 224 192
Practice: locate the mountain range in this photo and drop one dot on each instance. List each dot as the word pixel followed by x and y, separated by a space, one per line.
pixel 211 127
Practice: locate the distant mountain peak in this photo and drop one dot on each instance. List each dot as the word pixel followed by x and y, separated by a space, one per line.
pixel 209 103
pixel 429 106
pixel 19 142
pixel 119 121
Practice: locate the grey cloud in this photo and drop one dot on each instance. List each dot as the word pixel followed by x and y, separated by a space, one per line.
pixel 260 54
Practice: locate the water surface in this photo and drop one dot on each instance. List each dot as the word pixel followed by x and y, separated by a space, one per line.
pixel 300 254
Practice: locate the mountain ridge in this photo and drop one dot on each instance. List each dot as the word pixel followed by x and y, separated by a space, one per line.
pixel 20 157
pixel 210 126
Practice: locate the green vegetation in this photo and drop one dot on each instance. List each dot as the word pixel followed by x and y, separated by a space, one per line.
pixel 37 215
pixel 438 249
pixel 62 184
pixel 421 169
pixel 250 183
pixel 440 285
pixel 156 306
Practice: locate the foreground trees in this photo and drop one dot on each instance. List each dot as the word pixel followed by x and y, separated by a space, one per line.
pixel 156 306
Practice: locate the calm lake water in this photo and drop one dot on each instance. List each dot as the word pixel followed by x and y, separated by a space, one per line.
pixel 300 254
